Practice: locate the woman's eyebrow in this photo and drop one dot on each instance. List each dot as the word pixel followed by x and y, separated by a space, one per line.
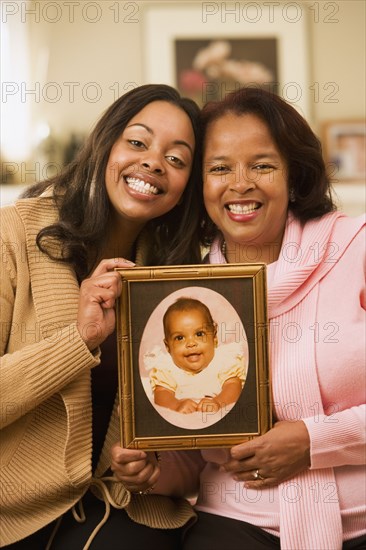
pixel 264 154
pixel 143 125
pixel 217 158
pixel 267 154
pixel 150 130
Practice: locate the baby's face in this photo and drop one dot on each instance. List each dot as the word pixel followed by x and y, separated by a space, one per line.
pixel 190 340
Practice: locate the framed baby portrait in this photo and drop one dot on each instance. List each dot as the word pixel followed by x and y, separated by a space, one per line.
pixel 193 356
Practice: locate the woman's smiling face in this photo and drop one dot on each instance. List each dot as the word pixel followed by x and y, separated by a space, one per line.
pixel 245 183
pixel 150 163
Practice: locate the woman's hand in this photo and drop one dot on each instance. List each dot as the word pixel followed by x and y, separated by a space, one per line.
pixel 138 471
pixel 279 454
pixel 96 317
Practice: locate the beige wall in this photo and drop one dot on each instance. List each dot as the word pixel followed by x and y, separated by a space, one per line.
pixel 109 54
pixel 93 52
pixel 338 60
pixel 92 63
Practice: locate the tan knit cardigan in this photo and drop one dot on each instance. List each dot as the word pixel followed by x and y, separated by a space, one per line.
pixel 45 384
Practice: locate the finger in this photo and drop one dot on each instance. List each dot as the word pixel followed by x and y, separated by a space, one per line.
pixel 91 302
pixel 111 279
pixel 150 482
pixel 103 290
pixel 243 465
pixel 110 264
pixel 243 450
pixel 260 483
pixel 152 479
pixel 105 297
pixel 133 470
pixel 201 405
pixel 123 456
pixel 188 409
pixel 137 480
pixel 236 466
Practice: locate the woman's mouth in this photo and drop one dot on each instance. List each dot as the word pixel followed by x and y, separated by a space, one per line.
pixel 237 208
pixel 141 186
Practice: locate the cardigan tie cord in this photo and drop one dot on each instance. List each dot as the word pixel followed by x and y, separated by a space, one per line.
pixel 79 515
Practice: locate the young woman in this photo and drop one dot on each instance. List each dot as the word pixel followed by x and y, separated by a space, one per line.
pixel 302 484
pixel 129 197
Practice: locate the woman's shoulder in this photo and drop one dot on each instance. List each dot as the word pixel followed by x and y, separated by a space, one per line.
pixel 345 244
pixel 335 229
pixel 357 222
pixel 27 216
pixel 348 231
pixel 10 222
pixel 39 211
pixel 341 221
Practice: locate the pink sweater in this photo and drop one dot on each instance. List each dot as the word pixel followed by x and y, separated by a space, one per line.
pixel 316 306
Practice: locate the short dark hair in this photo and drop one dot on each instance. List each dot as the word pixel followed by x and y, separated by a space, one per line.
pixel 295 140
pixel 84 207
pixel 187 304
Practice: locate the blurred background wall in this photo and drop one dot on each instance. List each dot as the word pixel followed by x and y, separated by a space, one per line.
pixel 64 62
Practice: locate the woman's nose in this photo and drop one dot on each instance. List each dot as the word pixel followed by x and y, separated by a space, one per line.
pixel 153 163
pixel 243 180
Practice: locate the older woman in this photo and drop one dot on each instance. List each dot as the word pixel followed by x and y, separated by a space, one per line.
pixel 302 484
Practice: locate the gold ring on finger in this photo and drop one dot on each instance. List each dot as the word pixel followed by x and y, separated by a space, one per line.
pixel 257 475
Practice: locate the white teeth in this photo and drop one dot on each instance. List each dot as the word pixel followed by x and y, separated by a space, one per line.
pixel 243 208
pixel 141 186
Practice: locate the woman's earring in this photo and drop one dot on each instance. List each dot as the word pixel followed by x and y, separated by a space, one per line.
pixel 291 195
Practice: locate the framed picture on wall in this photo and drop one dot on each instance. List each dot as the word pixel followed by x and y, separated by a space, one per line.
pixel 209 49
pixel 193 356
pixel 344 144
pixel 207 68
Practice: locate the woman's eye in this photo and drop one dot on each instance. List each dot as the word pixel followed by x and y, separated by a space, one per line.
pixel 264 168
pixel 175 160
pixel 136 143
pixel 219 169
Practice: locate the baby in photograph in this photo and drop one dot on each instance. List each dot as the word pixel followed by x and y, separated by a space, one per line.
pixel 199 376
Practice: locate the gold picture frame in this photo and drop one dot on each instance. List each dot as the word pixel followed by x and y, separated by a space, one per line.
pixel 236 297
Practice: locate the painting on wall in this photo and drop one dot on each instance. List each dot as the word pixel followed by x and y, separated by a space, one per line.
pixel 208 69
pixel 345 149
pixel 208 55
